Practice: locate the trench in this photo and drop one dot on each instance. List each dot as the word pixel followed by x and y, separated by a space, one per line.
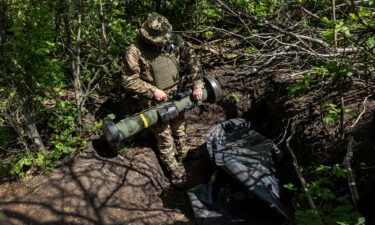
pixel 265 103
pixel 259 104
pixel 271 110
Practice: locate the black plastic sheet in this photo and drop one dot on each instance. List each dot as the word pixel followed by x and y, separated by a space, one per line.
pixel 244 188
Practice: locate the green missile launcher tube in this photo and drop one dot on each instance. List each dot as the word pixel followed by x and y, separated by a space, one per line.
pixel 162 113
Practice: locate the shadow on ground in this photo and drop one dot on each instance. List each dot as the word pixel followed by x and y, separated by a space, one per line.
pixel 96 190
pixel 103 187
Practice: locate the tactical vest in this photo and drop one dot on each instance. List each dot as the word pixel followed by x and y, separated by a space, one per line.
pixel 165 70
pixel 164 66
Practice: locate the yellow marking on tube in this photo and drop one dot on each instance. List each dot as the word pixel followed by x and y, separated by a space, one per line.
pixel 144 120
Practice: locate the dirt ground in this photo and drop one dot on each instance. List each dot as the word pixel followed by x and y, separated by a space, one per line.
pixel 99 187
pixel 126 189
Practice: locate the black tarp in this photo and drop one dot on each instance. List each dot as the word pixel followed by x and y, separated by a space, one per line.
pixel 244 188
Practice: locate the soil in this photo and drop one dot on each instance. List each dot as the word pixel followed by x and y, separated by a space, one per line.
pixel 130 188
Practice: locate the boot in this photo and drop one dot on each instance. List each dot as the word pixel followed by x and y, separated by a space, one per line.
pixel 184 152
pixel 176 172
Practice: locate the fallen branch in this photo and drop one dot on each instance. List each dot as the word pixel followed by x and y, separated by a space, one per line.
pixel 361 114
pixel 300 176
pixel 312 14
pixel 295 53
pixel 300 37
pixel 284 133
pixel 351 180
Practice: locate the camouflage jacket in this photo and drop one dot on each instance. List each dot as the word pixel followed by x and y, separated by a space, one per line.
pixel 138 73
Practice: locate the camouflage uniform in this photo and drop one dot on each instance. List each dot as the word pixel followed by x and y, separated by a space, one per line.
pixel 140 78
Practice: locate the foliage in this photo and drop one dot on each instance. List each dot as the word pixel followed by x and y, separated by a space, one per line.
pixel 258 7
pixel 335 71
pixel 63 122
pixel 234 98
pixel 333 114
pixel 299 87
pixel 333 74
pixel 335 208
pixel 205 16
pixel 44 44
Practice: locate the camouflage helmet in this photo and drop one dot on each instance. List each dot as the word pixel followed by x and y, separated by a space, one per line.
pixel 156 29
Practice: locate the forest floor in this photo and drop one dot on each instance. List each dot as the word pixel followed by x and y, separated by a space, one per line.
pixel 99 187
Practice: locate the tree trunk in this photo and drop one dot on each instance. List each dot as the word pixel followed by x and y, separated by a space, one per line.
pixel 34 134
pixel 75 61
pixel 29 112
pixel 2 22
pixel 2 36
pixel 334 20
pixel 77 77
pixel 104 33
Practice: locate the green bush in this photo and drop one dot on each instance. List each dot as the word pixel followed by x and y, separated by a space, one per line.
pixel 334 206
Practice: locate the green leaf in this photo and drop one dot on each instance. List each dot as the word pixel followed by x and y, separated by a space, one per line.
pixel 111 116
pixel 26 161
pixel 231 56
pixel 208 34
pixel 350 112
pixel 338 171
pixel 42 51
pixel 290 186
pixel 328 33
pixel 105 69
pixel 333 107
pixel 322 168
pixel 361 221
pixel 67 150
pixel 50 44
pixel 341 27
pixel 40 160
pixel 295 89
pixel 331 117
pixel 235 98
pixel 353 16
pixel 371 42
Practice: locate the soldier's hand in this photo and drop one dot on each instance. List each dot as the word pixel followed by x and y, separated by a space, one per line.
pixel 197 94
pixel 160 95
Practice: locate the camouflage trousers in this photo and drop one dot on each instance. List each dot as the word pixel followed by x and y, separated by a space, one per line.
pixel 171 140
pixel 171 137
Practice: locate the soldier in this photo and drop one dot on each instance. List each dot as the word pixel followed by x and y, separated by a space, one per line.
pixel 152 71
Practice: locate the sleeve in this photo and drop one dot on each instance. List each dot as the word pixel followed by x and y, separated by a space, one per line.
pixel 193 63
pixel 131 78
